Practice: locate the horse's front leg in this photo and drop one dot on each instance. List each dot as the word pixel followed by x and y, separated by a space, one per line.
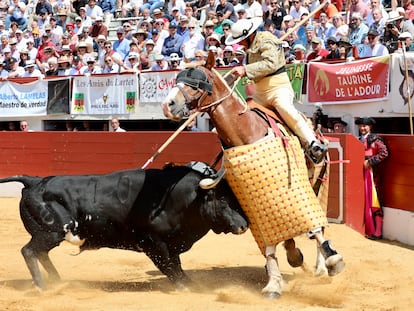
pixel 333 261
pixel 320 268
pixel 274 286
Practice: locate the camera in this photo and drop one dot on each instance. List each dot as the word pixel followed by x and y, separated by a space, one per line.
pixel 391 25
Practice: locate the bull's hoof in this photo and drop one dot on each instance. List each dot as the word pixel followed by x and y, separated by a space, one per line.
pixel 294 257
pixel 271 295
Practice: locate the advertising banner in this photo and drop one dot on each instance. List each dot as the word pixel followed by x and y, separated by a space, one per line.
pixel 402 86
pixel 294 71
pixel 28 99
pixel 155 85
pixel 104 94
pixel 358 81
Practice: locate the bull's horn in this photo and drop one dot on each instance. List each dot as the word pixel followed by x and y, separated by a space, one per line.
pixel 209 183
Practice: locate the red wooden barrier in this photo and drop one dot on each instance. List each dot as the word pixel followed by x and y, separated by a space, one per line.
pixel 397 173
pixel 353 183
pixel 53 153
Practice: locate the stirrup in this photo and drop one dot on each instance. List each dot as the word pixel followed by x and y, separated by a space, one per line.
pixel 316 151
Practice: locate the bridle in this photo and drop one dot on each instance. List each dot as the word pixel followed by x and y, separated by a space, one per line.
pixel 198 80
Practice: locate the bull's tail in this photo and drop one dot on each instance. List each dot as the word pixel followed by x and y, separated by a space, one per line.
pixel 27 181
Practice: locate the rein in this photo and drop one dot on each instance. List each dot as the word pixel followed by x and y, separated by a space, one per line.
pixel 219 100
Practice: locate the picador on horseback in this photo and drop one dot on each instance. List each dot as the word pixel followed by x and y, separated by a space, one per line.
pixel 264 162
pixel 266 67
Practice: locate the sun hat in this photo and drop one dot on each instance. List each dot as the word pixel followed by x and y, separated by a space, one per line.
pixel 174 56
pixel 285 44
pixel 141 32
pixel 133 55
pixel 242 29
pixel 29 63
pixel 228 48
pixel 393 16
pixel 159 57
pixel 63 59
pixel 405 35
pixel 150 41
pixel 213 36
pixel 299 47
pixel 209 23
pixel 373 32
pixel 344 41
pixel 316 40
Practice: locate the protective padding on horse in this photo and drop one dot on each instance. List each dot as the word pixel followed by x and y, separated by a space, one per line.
pixel 270 180
pixel 314 171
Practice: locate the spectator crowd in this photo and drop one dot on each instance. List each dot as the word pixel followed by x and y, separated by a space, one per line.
pixel 71 37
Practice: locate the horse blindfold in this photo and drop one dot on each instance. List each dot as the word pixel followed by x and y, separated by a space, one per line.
pixel 195 78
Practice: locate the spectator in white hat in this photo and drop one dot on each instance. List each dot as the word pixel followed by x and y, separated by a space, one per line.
pixel 407 38
pixel 31 48
pixel 396 25
pixel 174 62
pixel 159 63
pixel 31 70
pixel 132 64
pixel 91 67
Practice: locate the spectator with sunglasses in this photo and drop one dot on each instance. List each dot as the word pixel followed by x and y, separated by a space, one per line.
pixel 333 48
pixel 110 66
pixel 297 10
pixel 192 42
pixel 276 13
pixel 159 63
pixel 372 46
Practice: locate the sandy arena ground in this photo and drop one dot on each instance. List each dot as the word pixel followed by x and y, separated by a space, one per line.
pixel 227 270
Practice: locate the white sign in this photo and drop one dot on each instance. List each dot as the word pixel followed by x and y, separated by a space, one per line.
pixel 23 99
pixel 104 94
pixel 155 86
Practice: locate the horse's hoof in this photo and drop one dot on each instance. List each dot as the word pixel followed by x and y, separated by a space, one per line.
pixel 271 295
pixel 294 257
pixel 335 266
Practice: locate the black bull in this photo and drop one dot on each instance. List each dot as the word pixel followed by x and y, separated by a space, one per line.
pixel 159 212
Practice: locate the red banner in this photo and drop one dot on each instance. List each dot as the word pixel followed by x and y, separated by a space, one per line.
pixel 362 80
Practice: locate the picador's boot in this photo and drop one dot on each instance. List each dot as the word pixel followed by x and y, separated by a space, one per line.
pixel 316 151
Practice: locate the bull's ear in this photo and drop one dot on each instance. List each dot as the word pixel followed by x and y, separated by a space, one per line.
pixel 211 60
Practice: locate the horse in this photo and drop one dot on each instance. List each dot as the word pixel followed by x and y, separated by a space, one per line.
pixel 202 88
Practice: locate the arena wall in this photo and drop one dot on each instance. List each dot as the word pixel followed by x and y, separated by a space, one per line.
pixel 51 153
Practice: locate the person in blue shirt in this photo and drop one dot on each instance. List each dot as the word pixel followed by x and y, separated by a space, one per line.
pixel 121 46
pixel 172 44
pixel 107 6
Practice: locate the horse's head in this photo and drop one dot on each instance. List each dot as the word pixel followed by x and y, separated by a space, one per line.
pixel 192 85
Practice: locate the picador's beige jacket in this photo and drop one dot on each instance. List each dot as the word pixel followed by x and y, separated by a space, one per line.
pixel 265 56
